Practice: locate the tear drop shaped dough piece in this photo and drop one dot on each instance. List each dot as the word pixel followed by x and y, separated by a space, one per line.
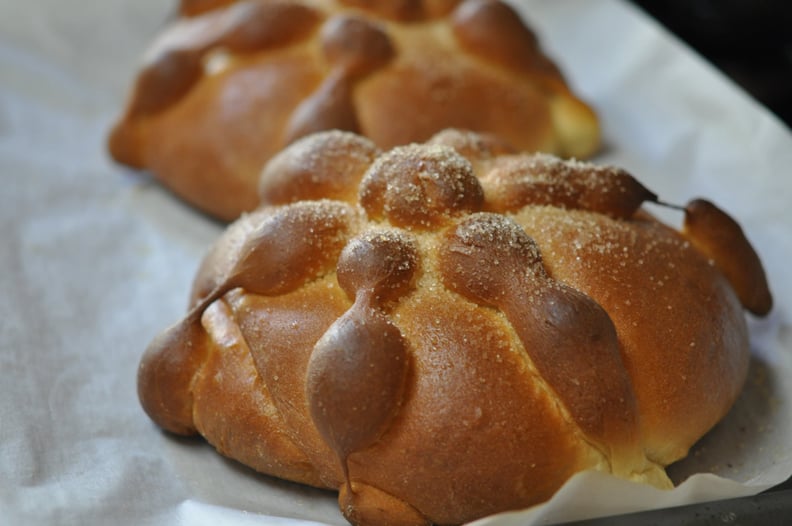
pixel 230 83
pixel 437 352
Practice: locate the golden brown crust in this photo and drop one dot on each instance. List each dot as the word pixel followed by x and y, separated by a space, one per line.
pixel 674 312
pixel 196 7
pixel 298 173
pixel 460 336
pixel 229 400
pixel 230 83
pixel 720 238
pixel 569 338
pixel 281 332
pixel 473 395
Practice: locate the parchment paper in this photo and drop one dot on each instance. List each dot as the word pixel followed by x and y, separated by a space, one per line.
pixel 96 260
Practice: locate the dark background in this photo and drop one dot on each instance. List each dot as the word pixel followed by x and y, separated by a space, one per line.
pixel 748 40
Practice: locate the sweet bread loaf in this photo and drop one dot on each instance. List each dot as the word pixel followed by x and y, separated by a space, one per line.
pixel 230 83
pixel 448 330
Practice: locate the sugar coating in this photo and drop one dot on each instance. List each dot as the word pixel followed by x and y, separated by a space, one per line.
pixel 454 299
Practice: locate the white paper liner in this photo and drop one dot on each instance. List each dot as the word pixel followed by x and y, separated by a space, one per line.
pixel 97 260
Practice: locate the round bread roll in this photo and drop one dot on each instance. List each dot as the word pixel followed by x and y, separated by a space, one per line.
pixel 449 330
pixel 230 83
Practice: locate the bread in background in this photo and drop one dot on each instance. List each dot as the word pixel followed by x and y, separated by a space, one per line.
pixel 230 83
